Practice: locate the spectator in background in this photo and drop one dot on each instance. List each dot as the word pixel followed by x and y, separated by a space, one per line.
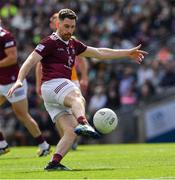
pixel 146 92
pixel 168 79
pixel 22 21
pixel 113 97
pixel 164 55
pixel 144 73
pixel 98 100
pixel 157 74
pixel 127 89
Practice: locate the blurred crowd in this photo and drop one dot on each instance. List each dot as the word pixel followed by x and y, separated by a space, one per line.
pixel 117 84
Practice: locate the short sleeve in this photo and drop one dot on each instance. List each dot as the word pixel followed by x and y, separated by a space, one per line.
pixel 45 47
pixel 9 41
pixel 79 47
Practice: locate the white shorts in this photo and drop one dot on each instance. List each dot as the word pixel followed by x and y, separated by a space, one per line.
pixel 19 94
pixel 53 92
pixel 77 83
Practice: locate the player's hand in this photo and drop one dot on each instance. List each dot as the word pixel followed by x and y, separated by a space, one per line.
pixel 136 54
pixel 17 84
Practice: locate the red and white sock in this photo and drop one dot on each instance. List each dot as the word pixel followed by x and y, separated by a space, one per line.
pixel 82 120
pixel 57 158
pixel 41 142
pixel 3 142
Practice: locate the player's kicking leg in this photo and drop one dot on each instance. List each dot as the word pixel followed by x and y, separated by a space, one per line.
pixel 4 148
pixel 77 103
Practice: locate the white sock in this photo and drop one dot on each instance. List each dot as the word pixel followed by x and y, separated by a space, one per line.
pixel 44 145
pixel 3 144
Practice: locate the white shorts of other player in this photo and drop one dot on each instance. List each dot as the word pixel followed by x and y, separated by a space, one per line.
pixel 19 94
pixel 53 92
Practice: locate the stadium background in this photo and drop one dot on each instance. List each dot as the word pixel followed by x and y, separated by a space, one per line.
pixel 125 87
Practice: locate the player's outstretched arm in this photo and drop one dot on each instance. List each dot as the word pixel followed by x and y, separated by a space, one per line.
pixel 32 59
pixel 105 53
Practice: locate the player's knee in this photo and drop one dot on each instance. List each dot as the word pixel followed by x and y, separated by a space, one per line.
pixel 74 98
pixel 79 98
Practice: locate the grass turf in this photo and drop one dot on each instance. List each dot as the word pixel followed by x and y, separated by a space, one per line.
pixel 130 161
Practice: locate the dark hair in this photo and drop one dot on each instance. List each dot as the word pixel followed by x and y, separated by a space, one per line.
pixel 66 13
pixel 54 16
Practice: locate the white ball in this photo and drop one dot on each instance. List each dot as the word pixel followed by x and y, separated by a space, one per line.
pixel 105 120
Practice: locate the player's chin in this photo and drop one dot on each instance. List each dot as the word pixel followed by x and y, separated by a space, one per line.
pixel 67 37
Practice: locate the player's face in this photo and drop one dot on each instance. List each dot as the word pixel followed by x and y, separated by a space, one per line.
pixel 66 28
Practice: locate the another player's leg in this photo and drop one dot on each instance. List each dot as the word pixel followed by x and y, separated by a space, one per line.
pixel 66 123
pixel 3 145
pixel 20 108
pixel 75 144
pixel 77 103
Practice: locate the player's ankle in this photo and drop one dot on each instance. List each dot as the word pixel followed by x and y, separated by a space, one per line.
pixel 3 144
pixel 44 145
pixel 56 158
pixel 82 120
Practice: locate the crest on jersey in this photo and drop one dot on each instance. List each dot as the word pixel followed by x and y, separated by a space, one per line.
pixel 54 36
pixel 40 47
pixel 9 44
pixel 70 61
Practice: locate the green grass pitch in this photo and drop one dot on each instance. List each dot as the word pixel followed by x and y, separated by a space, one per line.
pixel 128 161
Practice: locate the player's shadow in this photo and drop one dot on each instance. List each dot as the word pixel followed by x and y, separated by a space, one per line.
pixel 17 157
pixel 73 170
pixel 95 169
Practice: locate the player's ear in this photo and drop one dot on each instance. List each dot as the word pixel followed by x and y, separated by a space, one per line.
pixel 57 24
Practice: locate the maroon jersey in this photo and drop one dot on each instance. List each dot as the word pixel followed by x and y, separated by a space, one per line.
pixel 58 56
pixel 7 74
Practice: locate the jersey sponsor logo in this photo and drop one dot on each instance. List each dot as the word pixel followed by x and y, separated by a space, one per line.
pixel 67 49
pixel 70 61
pixel 9 44
pixel 40 47
pixel 60 49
